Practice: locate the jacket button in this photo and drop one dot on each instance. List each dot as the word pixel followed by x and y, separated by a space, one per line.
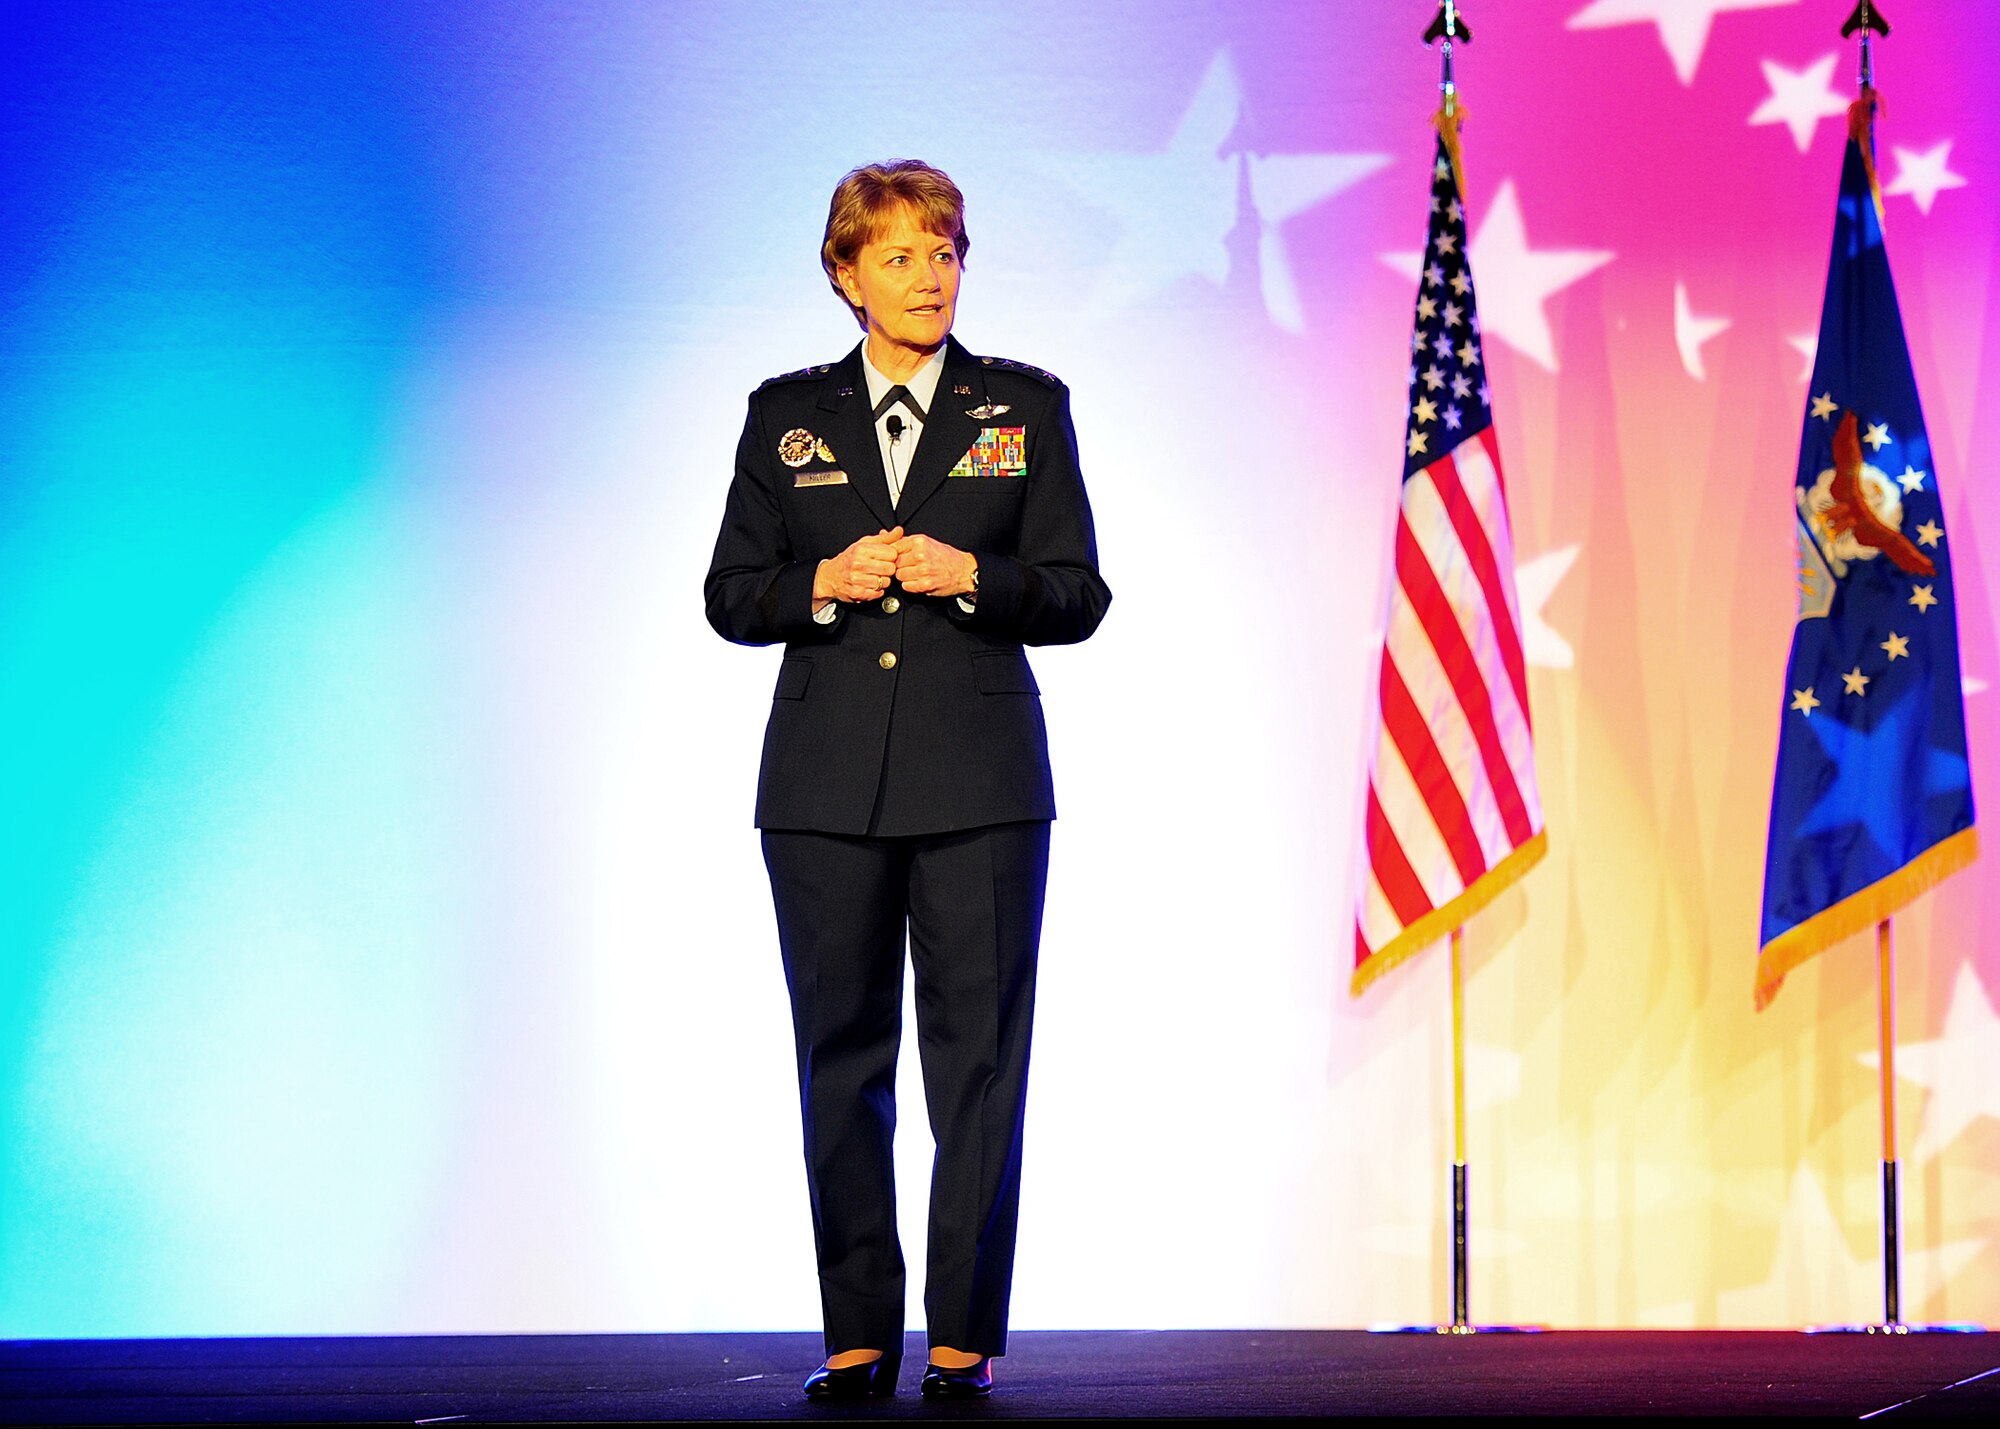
pixel 887 660
pixel 890 605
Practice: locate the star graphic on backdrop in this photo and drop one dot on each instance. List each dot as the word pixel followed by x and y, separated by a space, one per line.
pixel 1690 332
pixel 1922 598
pixel 1812 1265
pixel 1805 701
pixel 1924 176
pixel 1175 208
pixel 1961 1067
pixel 1515 279
pixel 1857 792
pixel 1162 241
pixel 1825 406
pixel 1898 647
pixel 1929 534
pixel 1800 98
pixel 1806 346
pixel 1683 24
pixel 1283 186
pixel 1856 682
pixel 1418 442
pixel 1534 582
pixel 1911 480
pixel 1877 435
pixel 1425 410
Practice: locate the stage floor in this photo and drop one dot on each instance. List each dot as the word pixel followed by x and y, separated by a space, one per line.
pixel 527 1379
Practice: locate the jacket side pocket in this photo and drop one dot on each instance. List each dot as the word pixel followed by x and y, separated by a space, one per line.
pixel 793 677
pixel 1003 672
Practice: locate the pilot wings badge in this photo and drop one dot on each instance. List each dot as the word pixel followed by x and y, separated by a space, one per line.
pixel 987 409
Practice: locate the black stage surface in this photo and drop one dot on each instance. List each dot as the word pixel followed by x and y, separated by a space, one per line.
pixel 1181 1374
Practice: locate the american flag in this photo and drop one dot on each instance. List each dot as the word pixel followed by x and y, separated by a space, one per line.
pixel 1453 813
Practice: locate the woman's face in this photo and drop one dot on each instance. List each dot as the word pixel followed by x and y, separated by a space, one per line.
pixel 906 281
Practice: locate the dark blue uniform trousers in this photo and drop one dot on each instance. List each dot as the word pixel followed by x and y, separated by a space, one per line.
pixel 972 904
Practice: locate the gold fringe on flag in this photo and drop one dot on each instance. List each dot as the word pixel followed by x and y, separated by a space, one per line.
pixel 1861 129
pixel 1448 119
pixel 1437 924
pixel 1859 911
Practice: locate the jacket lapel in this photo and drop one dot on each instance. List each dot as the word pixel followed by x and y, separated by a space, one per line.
pixel 850 431
pixel 948 432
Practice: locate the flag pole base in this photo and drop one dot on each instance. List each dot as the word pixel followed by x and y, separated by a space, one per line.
pixel 1955 1327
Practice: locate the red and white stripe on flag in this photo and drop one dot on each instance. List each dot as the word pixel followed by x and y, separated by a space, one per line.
pixel 1453 814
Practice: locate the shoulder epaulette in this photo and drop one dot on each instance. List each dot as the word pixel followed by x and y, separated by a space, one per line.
pixel 803 374
pixel 1025 369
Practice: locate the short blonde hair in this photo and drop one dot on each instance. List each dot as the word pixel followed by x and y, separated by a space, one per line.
pixel 865 198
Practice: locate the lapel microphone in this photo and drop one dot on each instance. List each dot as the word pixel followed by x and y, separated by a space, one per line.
pixel 895 426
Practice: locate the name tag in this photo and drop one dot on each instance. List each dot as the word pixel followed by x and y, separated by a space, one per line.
pixel 820 478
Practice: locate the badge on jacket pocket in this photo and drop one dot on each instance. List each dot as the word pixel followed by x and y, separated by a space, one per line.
pixel 799 446
pixel 820 478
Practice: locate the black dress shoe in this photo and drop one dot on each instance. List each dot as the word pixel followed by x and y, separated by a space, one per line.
pixel 874 1380
pixel 975 1381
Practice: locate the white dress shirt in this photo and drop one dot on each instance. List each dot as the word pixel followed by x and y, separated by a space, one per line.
pixel 923 383
pixel 897 454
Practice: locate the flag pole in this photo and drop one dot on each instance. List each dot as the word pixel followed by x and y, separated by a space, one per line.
pixel 1450 28
pixel 1460 1251
pixel 1885 961
pixel 1868 21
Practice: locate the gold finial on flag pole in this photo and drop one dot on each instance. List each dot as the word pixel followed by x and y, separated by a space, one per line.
pixel 1449 27
pixel 1870 22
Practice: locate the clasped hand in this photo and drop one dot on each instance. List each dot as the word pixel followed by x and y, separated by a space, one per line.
pixel 922 564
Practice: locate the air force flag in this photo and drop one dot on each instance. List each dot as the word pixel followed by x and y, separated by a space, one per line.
pixel 1872 803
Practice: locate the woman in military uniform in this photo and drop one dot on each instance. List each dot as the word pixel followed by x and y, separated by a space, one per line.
pixel 904 521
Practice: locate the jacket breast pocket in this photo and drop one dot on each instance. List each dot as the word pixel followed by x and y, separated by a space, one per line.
pixel 1003 672
pixel 793 677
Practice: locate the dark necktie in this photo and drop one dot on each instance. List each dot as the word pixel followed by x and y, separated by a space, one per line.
pixel 898 393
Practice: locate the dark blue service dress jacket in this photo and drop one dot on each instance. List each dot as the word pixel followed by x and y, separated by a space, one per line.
pixel 908 715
